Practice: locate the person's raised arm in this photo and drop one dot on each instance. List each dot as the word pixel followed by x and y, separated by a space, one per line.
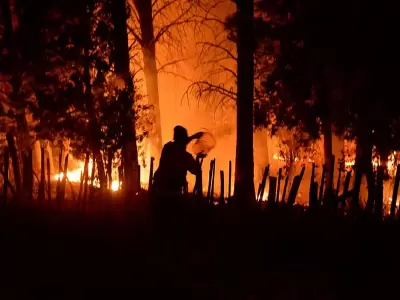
pixel 195 136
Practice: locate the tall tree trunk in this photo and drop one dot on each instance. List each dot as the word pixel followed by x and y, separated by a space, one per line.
pixel 94 128
pixel 244 174
pixel 16 83
pixel 148 43
pixel 121 56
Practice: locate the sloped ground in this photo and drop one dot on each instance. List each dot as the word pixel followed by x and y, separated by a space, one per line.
pixel 207 254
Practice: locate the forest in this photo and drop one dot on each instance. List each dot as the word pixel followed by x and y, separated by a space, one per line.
pixel 90 91
pixel 301 70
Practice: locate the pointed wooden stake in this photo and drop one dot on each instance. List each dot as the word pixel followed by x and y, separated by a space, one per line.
pixel 151 173
pixel 42 177
pixel 6 170
pixel 48 181
pixel 222 186
pixel 230 180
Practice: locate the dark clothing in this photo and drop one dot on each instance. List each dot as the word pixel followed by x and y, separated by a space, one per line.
pixel 170 178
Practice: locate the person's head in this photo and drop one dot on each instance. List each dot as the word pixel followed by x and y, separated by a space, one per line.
pixel 181 135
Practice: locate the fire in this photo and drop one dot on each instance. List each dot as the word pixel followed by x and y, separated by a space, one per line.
pixel 75 175
pixel 350 163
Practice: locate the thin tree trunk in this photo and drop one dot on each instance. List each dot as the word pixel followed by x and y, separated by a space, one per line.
pixel 61 195
pixel 244 173
pixel 9 37
pixel 121 55
pixel 86 177
pixel 321 187
pixel 15 164
pixel 28 176
pixel 145 11
pixel 100 171
pixel 81 183
pixel 109 167
pixel 59 172
pixel 92 186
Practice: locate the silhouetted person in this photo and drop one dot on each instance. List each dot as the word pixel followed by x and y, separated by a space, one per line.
pixel 175 162
pixel 167 190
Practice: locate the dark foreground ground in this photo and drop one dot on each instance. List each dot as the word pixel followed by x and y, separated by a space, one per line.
pixel 207 254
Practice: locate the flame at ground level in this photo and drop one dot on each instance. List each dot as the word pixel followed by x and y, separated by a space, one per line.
pixel 76 174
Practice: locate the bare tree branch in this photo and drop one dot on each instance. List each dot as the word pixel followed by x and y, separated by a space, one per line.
pixel 173 62
pixel 137 37
pixel 220 47
pixel 176 22
pixel 162 8
pixel 200 88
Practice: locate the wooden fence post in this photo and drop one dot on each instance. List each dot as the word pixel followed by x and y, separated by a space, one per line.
pixel 295 187
pixel 91 190
pixel 213 182
pixel 395 192
pixel 279 184
pixel 86 177
pixel 48 181
pixel 27 176
pixel 81 184
pixel 313 195
pixel 6 170
pixel 151 174
pixel 338 180
pixel 285 189
pixel 209 181
pixel 321 187
pixel 42 177
pixel 61 196
pixel 230 180
pixel 15 164
pixel 261 187
pixel 222 187
pixel 59 173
